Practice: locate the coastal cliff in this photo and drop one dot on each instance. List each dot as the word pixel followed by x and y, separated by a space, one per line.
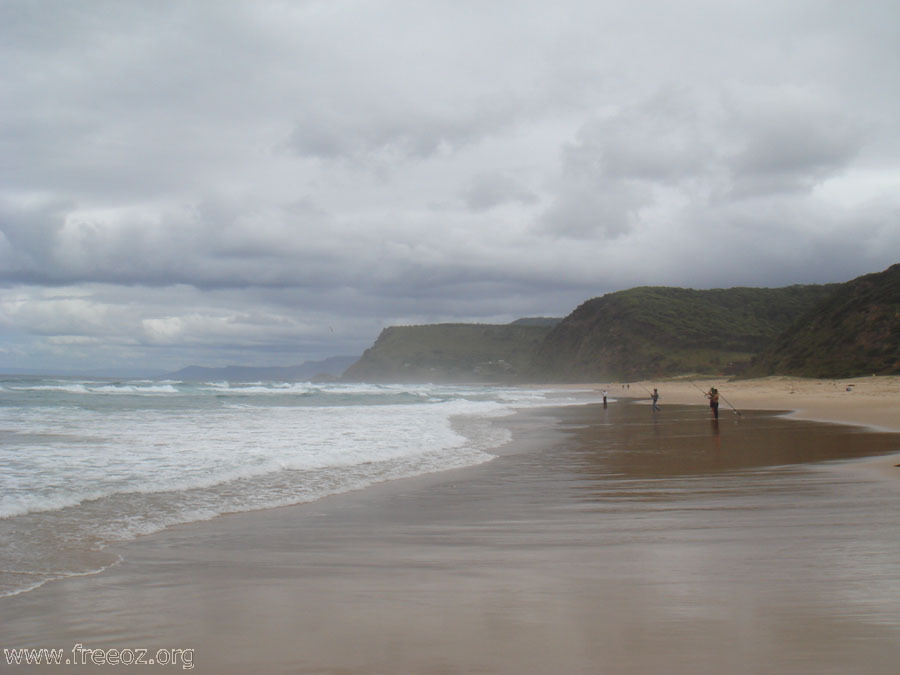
pixel 662 331
pixel 831 330
pixel 452 352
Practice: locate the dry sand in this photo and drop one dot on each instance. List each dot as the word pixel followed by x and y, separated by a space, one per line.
pixel 600 541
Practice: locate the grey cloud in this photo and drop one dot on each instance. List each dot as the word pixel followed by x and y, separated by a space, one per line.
pixel 487 191
pixel 394 131
pixel 27 232
pixel 211 245
pixel 223 179
pixel 801 147
pixel 664 138
pixel 605 210
pixel 680 147
pixel 610 171
pixel 787 140
pixel 51 244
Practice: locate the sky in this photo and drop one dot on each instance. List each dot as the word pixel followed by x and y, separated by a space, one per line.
pixel 217 182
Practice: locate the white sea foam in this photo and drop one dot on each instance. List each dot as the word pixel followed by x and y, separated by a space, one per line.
pixel 88 462
pixel 30 580
pixel 134 389
pixel 260 388
pixel 148 450
pixel 82 388
pixel 68 388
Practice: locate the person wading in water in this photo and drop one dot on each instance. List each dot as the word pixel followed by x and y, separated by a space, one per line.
pixel 713 396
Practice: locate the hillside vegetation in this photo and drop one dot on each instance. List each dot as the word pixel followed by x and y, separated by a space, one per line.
pixel 855 331
pixel 661 331
pixel 452 352
pixel 836 330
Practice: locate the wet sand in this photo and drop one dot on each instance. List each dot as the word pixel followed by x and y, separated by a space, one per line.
pixel 600 541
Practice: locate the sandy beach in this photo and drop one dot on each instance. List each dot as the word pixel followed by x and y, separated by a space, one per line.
pixel 866 401
pixel 600 541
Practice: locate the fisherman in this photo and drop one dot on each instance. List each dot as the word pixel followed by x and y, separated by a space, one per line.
pixel 655 397
pixel 713 396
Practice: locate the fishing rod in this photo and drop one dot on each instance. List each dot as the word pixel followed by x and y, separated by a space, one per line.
pixel 734 410
pixel 697 387
pixel 655 404
pixel 648 391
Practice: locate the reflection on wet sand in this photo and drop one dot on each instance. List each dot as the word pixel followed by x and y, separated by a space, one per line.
pixel 628 440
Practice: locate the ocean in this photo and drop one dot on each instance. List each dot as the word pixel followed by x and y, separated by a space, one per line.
pixel 87 462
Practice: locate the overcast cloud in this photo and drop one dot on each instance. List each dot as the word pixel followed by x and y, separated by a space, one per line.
pixel 268 182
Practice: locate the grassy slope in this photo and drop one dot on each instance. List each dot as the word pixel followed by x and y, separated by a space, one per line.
pixel 835 330
pixel 658 331
pixel 855 331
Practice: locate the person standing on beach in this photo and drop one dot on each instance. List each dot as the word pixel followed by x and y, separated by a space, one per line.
pixel 604 398
pixel 713 396
pixel 655 398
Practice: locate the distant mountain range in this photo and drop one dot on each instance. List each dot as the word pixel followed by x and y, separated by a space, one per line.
pixel 326 369
pixel 833 330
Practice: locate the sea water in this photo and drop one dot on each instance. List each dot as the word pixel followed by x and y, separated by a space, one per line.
pixel 84 463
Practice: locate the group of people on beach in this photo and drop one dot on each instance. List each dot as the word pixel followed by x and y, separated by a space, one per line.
pixel 712 395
